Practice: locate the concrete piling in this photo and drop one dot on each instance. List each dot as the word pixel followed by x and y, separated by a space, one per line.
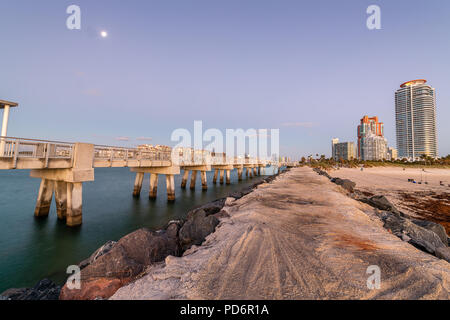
pixel 170 183
pixel 74 204
pixel 228 176
pixel 153 186
pixel 193 179
pixel 184 179
pixel 221 176
pixel 44 199
pixel 204 181
pixel 61 199
pixel 216 173
pixel 138 184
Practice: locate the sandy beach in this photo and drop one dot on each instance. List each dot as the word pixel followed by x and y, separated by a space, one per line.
pixel 299 237
pixel 426 201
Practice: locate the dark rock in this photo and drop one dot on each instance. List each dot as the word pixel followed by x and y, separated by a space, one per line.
pixel 97 254
pixel 237 195
pixel 197 227
pixel 211 208
pixel 421 238
pixel 382 203
pixel 173 228
pixel 43 290
pixel 435 227
pixel 443 253
pixel 344 183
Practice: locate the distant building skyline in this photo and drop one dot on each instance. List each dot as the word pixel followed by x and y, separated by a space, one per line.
pixel 372 145
pixel 342 150
pixel 415 118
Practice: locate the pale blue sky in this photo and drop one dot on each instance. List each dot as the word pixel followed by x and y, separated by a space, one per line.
pixel 310 68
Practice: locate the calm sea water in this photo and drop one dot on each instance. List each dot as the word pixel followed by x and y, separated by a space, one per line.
pixel 32 249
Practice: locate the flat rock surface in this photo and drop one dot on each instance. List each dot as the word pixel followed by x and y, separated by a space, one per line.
pixel 300 237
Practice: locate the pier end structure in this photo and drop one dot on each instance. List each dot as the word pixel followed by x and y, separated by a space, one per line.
pixel 6 106
pixel 67 185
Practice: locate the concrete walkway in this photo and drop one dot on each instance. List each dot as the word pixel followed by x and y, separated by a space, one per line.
pixel 299 237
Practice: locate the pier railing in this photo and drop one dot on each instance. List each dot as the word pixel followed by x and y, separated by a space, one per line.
pixel 31 148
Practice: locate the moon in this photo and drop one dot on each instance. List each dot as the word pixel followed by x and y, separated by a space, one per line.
pixel 104 34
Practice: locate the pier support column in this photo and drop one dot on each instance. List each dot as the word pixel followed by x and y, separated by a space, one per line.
pixel 170 183
pixel 61 199
pixel 193 179
pixel 228 177
pixel 74 204
pixel 250 172
pixel 216 173
pixel 240 174
pixel 153 185
pixel 204 181
pixel 255 171
pixel 259 171
pixel 138 184
pixel 221 176
pixel 184 179
pixel 44 199
pixel 246 172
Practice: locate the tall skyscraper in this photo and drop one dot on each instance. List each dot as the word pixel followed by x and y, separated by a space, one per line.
pixel 415 117
pixel 371 142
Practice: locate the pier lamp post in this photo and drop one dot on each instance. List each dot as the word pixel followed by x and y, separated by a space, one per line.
pixel 5 105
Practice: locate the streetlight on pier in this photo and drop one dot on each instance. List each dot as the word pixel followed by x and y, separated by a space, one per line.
pixel 5 105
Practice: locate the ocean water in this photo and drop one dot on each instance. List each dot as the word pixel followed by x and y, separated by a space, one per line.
pixel 35 248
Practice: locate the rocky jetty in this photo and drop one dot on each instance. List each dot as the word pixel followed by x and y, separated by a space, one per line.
pixel 116 264
pixel 425 235
pixel 43 290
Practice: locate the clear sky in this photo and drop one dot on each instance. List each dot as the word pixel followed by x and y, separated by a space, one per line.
pixel 310 68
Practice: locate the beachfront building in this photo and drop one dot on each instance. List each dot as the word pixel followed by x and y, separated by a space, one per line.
pixel 342 150
pixel 415 117
pixel 392 154
pixel 372 145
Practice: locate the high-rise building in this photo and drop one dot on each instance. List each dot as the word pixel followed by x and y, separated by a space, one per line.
pixel 371 142
pixel 415 117
pixel 392 154
pixel 342 150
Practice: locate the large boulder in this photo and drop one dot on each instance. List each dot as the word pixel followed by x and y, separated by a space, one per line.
pixel 97 254
pixel 344 183
pixel 443 253
pixel 421 238
pixel 101 288
pixel 435 227
pixel 382 203
pixel 211 207
pixel 43 290
pixel 123 262
pixel 196 228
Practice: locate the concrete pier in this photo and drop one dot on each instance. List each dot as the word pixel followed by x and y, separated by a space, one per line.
pixel 240 170
pixel 221 176
pixel 184 179
pixel 228 176
pixel 74 204
pixel 138 184
pixel 61 199
pixel 193 179
pixel 170 183
pixel 44 199
pixel 153 186
pixel 204 180
pixel 216 173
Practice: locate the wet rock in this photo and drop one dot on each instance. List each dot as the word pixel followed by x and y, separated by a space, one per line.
pixel 435 227
pixel 196 228
pixel 43 290
pixel 95 289
pixel 97 254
